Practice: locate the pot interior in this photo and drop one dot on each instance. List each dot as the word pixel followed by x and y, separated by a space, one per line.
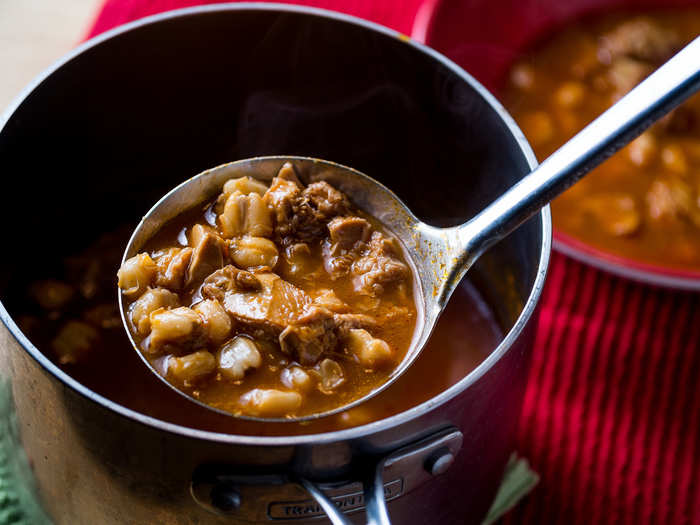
pixel 95 144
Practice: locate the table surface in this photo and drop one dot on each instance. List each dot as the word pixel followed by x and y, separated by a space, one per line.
pixel 34 33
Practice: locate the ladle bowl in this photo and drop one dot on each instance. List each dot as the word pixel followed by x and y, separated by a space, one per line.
pixel 366 193
pixel 441 256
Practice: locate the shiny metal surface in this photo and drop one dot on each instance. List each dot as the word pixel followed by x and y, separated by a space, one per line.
pixel 99 461
pixel 275 495
pixel 335 515
pixel 375 506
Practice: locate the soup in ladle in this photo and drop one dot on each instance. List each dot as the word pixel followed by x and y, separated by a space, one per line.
pixel 272 301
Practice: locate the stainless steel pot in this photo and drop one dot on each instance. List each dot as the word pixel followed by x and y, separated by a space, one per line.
pixel 124 117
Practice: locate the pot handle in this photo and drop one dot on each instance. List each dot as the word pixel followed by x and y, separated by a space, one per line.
pixel 413 464
pixel 252 495
pixel 373 489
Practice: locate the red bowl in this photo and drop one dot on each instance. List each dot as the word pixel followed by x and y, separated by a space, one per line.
pixel 486 36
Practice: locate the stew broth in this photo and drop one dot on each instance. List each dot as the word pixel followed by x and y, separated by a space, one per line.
pixel 73 317
pixel 273 301
pixel 644 202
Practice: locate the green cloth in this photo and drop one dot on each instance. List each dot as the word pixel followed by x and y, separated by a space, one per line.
pixel 19 501
pixel 19 504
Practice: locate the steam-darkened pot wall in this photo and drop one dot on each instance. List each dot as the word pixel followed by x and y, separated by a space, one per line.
pixel 102 137
pixel 109 132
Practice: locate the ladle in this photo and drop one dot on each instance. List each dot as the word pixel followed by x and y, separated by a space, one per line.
pixel 441 256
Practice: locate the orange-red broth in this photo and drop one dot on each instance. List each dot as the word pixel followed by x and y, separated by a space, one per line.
pixel 108 365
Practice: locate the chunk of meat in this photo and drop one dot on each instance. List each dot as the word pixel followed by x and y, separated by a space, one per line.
pixel 91 270
pixel 280 197
pixel 52 294
pixel 272 307
pixel 302 214
pixel 311 336
pixel 626 73
pixel 105 315
pixel 172 267
pixel 181 327
pixel 393 315
pixel 617 213
pixel 671 199
pixel 288 173
pixel 378 267
pixel 152 300
pixel 324 201
pixel 245 215
pixel 136 274
pixel 327 298
pixel 238 356
pixel 318 203
pixel 379 244
pixel 270 402
pixel 346 322
pixel 348 236
pixel 74 341
pixel 373 273
pixel 346 232
pixel 280 310
pixel 207 257
pixel 336 262
pixel 217 323
pixel 370 351
pixel 640 38
pixel 229 279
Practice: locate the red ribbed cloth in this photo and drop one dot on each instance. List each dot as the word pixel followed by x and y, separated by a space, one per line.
pixel 611 419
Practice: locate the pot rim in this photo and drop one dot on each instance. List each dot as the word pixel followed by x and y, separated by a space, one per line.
pixel 324 437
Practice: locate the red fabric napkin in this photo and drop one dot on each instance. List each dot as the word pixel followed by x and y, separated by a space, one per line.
pixel 397 14
pixel 611 419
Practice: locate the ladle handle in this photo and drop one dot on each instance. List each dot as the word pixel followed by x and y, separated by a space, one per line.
pixel 373 491
pixel 334 514
pixel 663 90
pixel 375 503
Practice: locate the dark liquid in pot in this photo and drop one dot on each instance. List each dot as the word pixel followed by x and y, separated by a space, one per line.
pixel 74 320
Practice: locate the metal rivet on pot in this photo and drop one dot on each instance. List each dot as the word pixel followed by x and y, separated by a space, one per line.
pixel 225 497
pixel 439 462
